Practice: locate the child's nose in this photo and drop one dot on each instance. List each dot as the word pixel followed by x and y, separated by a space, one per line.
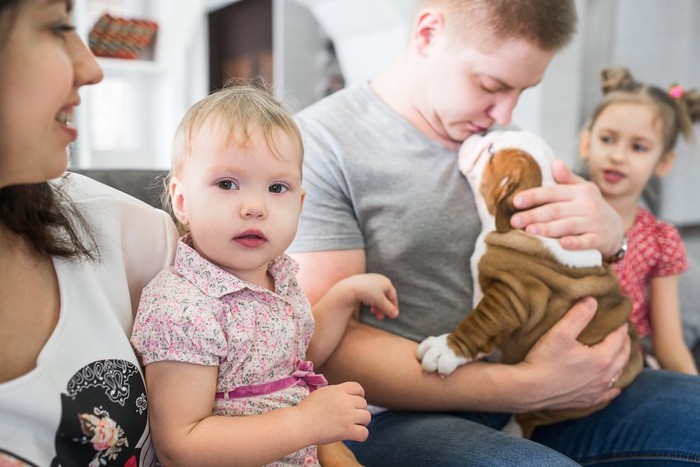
pixel 618 153
pixel 253 207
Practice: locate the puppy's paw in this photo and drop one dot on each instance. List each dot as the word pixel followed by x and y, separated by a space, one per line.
pixel 435 355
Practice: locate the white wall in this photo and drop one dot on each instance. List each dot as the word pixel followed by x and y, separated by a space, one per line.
pixel 658 40
pixel 367 34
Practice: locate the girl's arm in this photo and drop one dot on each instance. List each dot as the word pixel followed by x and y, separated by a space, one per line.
pixel 666 329
pixel 333 311
pixel 181 397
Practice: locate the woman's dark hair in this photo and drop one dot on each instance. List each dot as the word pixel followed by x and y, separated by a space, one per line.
pixel 8 16
pixel 40 213
pixel 47 220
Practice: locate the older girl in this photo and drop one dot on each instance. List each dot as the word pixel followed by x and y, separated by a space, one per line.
pixel 629 139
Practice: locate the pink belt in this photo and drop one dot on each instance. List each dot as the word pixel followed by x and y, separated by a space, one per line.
pixel 303 376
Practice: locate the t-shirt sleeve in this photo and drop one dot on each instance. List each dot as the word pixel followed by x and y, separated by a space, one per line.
pixel 328 220
pixel 173 325
pixel 673 258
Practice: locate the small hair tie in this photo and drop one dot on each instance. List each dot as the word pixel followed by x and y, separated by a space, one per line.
pixel 676 91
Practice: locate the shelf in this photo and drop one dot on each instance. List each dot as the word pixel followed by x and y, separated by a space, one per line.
pixel 121 67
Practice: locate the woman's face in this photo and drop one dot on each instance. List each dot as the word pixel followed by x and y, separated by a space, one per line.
pixel 44 63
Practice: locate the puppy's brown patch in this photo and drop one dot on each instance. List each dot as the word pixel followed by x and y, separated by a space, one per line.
pixel 509 172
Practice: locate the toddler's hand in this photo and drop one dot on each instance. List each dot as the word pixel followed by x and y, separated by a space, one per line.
pixel 337 412
pixel 377 292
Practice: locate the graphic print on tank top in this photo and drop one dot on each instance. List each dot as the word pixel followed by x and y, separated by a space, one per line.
pixel 103 416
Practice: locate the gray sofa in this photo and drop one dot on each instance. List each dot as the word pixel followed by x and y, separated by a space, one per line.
pixel 147 185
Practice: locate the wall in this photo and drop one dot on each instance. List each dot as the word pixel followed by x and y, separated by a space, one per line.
pixel 658 40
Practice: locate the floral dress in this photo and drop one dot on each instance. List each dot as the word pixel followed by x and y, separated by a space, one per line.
pixel 196 312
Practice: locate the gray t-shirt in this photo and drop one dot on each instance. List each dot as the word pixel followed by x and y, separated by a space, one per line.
pixel 374 182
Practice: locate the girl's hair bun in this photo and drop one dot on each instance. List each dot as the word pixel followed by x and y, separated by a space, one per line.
pixel 616 78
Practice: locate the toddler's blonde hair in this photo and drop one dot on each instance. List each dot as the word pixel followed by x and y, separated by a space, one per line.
pixel 244 111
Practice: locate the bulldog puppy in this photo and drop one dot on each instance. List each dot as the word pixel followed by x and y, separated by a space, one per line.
pixel 523 284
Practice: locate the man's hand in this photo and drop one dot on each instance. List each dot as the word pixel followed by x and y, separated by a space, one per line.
pixel 569 374
pixel 573 211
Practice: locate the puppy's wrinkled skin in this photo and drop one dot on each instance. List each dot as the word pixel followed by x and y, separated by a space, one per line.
pixel 525 283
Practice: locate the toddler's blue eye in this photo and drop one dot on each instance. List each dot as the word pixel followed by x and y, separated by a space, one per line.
pixel 227 185
pixel 278 188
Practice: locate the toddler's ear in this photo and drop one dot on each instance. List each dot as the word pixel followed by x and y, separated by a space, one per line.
pixel 584 147
pixel 177 200
pixel 665 164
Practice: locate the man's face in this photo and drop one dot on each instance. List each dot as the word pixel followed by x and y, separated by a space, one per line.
pixel 469 88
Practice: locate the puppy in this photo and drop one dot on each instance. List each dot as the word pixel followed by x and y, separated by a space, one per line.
pixel 525 283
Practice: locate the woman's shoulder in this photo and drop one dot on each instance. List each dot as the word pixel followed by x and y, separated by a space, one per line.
pixel 131 235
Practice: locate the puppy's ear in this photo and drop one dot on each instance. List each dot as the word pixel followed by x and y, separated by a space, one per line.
pixel 521 172
pixel 503 197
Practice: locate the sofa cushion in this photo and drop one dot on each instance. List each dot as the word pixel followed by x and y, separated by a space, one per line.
pixel 689 286
pixel 144 184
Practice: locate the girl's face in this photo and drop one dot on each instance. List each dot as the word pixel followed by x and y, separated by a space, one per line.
pixel 624 149
pixel 43 63
pixel 241 203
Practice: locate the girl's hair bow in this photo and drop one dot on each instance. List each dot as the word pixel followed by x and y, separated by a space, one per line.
pixel 676 91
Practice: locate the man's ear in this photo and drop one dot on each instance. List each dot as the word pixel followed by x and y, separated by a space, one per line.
pixel 665 164
pixel 177 200
pixel 584 147
pixel 428 23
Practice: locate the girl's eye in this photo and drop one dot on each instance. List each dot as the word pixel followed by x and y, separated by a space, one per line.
pixel 606 139
pixel 227 185
pixel 638 147
pixel 278 188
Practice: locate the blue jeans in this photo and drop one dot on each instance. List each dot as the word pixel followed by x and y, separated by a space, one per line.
pixel 654 422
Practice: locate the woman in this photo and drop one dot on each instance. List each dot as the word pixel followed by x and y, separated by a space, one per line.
pixel 74 256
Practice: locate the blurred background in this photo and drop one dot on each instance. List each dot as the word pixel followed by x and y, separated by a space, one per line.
pixel 306 49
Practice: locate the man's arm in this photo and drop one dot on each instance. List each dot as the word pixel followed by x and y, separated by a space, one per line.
pixel 559 372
